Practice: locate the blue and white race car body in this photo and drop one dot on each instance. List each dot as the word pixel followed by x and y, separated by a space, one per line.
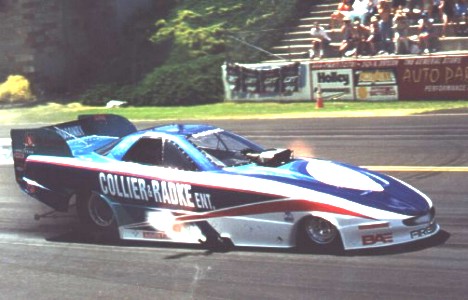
pixel 199 183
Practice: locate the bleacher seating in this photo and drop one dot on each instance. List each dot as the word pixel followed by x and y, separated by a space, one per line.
pixel 297 42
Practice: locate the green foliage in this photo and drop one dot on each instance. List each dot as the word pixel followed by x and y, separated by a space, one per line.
pixel 100 94
pixel 192 39
pixel 208 27
pixel 182 84
pixel 176 84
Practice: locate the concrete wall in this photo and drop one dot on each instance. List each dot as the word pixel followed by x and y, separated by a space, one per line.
pixel 58 44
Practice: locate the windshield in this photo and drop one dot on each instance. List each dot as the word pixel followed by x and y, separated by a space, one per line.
pixel 225 149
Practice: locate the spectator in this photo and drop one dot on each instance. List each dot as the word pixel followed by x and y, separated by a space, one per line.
pixel 413 11
pixel 447 8
pixel 461 12
pixel 346 31
pixel 436 11
pixel 427 37
pixel 359 34
pixel 428 6
pixel 415 4
pixel 398 4
pixel 461 9
pixel 401 28
pixel 385 24
pixel 374 41
pixel 343 10
pixel 359 10
pixel 371 10
pixel 320 40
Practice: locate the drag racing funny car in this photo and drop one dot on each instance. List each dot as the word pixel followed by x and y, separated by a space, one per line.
pixel 189 183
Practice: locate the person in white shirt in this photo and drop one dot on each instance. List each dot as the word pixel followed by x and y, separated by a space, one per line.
pixel 320 39
pixel 359 10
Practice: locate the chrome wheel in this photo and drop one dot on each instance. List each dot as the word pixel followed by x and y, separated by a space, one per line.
pixel 100 212
pixel 320 231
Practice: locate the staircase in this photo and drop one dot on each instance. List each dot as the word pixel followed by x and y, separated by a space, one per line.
pixel 296 43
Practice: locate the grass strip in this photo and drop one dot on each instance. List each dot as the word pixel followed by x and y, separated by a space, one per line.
pixel 53 112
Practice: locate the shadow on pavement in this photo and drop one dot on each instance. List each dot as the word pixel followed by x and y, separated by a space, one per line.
pixel 77 236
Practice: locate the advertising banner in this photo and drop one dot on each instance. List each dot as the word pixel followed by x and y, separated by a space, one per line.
pixel 334 83
pixel 419 77
pixel 284 78
pixel 377 92
pixel 285 81
pixel 438 77
pixel 376 84
pixel 434 78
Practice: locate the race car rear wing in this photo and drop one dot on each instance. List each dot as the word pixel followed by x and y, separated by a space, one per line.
pixel 63 139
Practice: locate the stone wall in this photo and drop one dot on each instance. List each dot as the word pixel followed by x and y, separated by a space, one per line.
pixel 58 44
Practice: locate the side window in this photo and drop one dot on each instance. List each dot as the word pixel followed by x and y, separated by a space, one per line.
pixel 146 151
pixel 156 152
pixel 174 157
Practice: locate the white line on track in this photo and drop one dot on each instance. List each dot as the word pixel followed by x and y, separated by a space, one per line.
pixel 6 157
pixel 367 136
pixel 417 168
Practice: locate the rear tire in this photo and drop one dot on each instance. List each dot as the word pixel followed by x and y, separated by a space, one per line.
pixel 96 216
pixel 319 235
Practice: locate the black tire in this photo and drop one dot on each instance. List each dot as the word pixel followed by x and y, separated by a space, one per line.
pixel 96 216
pixel 318 235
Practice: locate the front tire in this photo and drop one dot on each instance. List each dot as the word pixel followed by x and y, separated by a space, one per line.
pixel 96 216
pixel 318 235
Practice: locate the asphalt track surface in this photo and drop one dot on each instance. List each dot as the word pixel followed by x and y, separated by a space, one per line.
pixel 50 259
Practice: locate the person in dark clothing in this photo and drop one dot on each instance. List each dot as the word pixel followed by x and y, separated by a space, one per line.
pixel 396 4
pixel 374 41
pixel 359 35
pixel 428 37
pixel 447 7
pixel 371 10
pixel 385 23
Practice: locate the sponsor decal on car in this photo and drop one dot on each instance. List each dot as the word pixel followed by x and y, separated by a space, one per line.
pixel 156 191
pixel 70 132
pixel 29 140
pixel 419 233
pixel 154 235
pixel 372 239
